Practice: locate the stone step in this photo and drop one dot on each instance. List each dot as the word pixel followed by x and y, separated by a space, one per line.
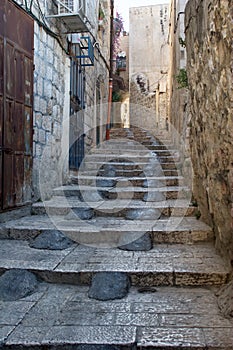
pixel 188 265
pixel 124 191
pixel 130 146
pixel 128 157
pixel 89 180
pixel 108 231
pixel 134 136
pixel 133 151
pixel 141 136
pixel 141 140
pixel 59 205
pixel 150 143
pixel 124 173
pixel 159 318
pixel 94 165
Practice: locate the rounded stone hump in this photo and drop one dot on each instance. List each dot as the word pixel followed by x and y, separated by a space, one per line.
pixel 143 214
pixel 109 286
pixel 80 214
pixel 143 243
pixel 17 284
pixel 51 240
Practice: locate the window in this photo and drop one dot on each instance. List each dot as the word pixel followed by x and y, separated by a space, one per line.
pixel 121 61
pixel 77 82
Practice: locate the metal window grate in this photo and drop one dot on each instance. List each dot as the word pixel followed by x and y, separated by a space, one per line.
pixel 87 51
pixel 65 6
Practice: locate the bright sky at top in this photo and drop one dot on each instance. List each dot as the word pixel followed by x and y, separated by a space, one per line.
pixel 122 6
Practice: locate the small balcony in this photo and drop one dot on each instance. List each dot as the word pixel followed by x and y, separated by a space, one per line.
pixel 71 12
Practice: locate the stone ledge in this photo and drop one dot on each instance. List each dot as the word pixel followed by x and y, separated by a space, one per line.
pixel 186 265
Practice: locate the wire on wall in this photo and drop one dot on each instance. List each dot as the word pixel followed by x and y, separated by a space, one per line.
pixel 28 9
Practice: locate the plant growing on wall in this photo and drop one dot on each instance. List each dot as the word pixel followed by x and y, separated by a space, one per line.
pixel 101 14
pixel 116 96
pixel 118 27
pixel 182 79
pixel 182 42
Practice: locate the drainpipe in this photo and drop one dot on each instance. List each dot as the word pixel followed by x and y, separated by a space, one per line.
pixel 110 73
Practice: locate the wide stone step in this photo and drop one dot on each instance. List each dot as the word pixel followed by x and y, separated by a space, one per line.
pixel 89 180
pixel 59 205
pixel 119 145
pixel 109 231
pixel 95 165
pixel 125 173
pixel 129 157
pixel 160 318
pixel 188 265
pixel 125 192
pixel 117 151
pixel 142 138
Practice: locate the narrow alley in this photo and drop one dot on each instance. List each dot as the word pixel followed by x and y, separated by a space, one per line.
pixel 116 198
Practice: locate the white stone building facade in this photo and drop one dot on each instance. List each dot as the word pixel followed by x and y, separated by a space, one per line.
pixel 149 61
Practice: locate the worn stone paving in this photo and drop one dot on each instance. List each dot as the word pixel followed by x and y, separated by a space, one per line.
pixel 171 230
pixel 186 265
pixel 164 317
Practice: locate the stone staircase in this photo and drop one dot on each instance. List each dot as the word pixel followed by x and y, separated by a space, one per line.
pixel 128 214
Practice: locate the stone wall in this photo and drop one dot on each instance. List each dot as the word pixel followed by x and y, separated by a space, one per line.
pixel 124 46
pixel 97 77
pixel 51 113
pixel 178 96
pixel 208 25
pixel 142 106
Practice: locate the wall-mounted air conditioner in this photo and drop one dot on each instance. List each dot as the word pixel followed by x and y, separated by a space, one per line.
pixel 72 6
pixel 72 13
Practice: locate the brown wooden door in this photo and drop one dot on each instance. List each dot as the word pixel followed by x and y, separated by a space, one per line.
pixel 16 103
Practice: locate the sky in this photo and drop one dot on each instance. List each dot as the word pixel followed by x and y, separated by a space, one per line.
pixel 122 6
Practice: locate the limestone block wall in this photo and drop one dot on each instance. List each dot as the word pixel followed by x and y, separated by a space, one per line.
pixel 142 107
pixel 208 26
pixel 178 101
pixel 97 77
pixel 51 112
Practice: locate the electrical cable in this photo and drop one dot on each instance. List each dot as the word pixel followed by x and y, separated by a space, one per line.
pixel 55 35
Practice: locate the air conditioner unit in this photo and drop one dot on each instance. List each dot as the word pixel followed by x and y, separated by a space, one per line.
pixel 72 6
pixel 72 13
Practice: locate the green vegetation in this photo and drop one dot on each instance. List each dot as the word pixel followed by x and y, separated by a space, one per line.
pixel 182 42
pixel 182 79
pixel 116 96
pixel 198 214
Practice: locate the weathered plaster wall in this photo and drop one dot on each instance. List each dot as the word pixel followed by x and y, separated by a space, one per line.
pixel 148 61
pixel 208 26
